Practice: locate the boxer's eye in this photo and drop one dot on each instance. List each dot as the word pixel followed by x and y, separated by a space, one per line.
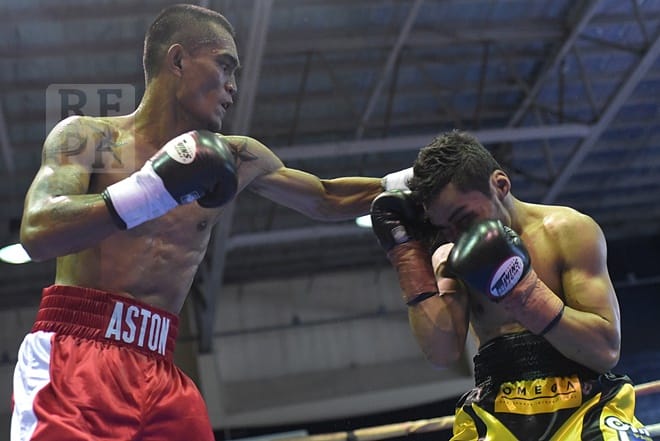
pixel 464 222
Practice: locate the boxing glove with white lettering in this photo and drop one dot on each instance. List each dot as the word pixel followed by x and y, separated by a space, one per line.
pixel 490 258
pixel 195 166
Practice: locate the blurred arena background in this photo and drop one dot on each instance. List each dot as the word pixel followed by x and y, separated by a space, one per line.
pixel 294 325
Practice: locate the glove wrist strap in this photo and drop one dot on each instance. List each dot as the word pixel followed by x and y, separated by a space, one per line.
pixel 419 298
pixel 397 180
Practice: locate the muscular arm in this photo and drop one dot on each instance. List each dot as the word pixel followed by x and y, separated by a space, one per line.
pixel 58 217
pixel 440 323
pixel 589 331
pixel 321 199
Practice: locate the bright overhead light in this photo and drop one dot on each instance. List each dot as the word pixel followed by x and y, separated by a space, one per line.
pixel 363 221
pixel 15 254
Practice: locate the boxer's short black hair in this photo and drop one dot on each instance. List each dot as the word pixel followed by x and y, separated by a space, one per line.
pixel 454 157
pixel 186 24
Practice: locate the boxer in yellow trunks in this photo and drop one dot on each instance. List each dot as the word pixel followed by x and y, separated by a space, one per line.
pixel 535 393
pixel 532 283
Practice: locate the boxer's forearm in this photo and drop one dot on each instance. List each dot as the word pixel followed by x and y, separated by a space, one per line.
pixel 440 324
pixel 321 199
pixel 65 224
pixel 348 197
pixel 586 338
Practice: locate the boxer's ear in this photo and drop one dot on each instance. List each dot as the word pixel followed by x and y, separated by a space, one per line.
pixel 500 184
pixel 174 59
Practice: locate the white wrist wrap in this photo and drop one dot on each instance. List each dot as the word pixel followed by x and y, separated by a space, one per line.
pixel 397 180
pixel 140 197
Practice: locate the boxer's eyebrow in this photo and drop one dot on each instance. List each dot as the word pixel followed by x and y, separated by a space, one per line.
pixel 229 59
pixel 456 213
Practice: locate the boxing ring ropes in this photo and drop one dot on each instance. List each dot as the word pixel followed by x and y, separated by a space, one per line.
pixel 407 428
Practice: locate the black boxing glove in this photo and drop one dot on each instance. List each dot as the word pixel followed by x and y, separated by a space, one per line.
pixel 195 166
pixel 490 258
pixel 393 214
pixel 394 217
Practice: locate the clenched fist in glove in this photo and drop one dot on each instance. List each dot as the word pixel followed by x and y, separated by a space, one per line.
pixel 490 258
pixel 395 217
pixel 196 166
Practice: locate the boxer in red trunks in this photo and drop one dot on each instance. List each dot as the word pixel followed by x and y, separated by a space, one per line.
pixel 99 366
pixel 129 233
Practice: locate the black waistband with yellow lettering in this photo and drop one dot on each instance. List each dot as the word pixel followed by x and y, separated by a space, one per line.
pixel 523 356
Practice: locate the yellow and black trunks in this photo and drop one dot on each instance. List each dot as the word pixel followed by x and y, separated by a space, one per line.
pixel 527 391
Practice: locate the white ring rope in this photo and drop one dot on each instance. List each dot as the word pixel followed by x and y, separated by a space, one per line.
pixel 649 388
pixel 382 432
pixel 652 387
pixel 395 430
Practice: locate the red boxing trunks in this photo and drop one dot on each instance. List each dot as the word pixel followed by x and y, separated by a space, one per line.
pixel 527 391
pixel 98 366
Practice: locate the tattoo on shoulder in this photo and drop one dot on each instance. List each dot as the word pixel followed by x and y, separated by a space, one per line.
pixel 105 142
pixel 60 184
pixel 66 142
pixel 77 138
pixel 242 154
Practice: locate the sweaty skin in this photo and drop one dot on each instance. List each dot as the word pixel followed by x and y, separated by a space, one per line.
pixel 156 261
pixel 129 378
pixel 66 218
pixel 568 253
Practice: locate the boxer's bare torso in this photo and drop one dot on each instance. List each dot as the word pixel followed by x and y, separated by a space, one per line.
pixel 66 217
pixel 154 262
